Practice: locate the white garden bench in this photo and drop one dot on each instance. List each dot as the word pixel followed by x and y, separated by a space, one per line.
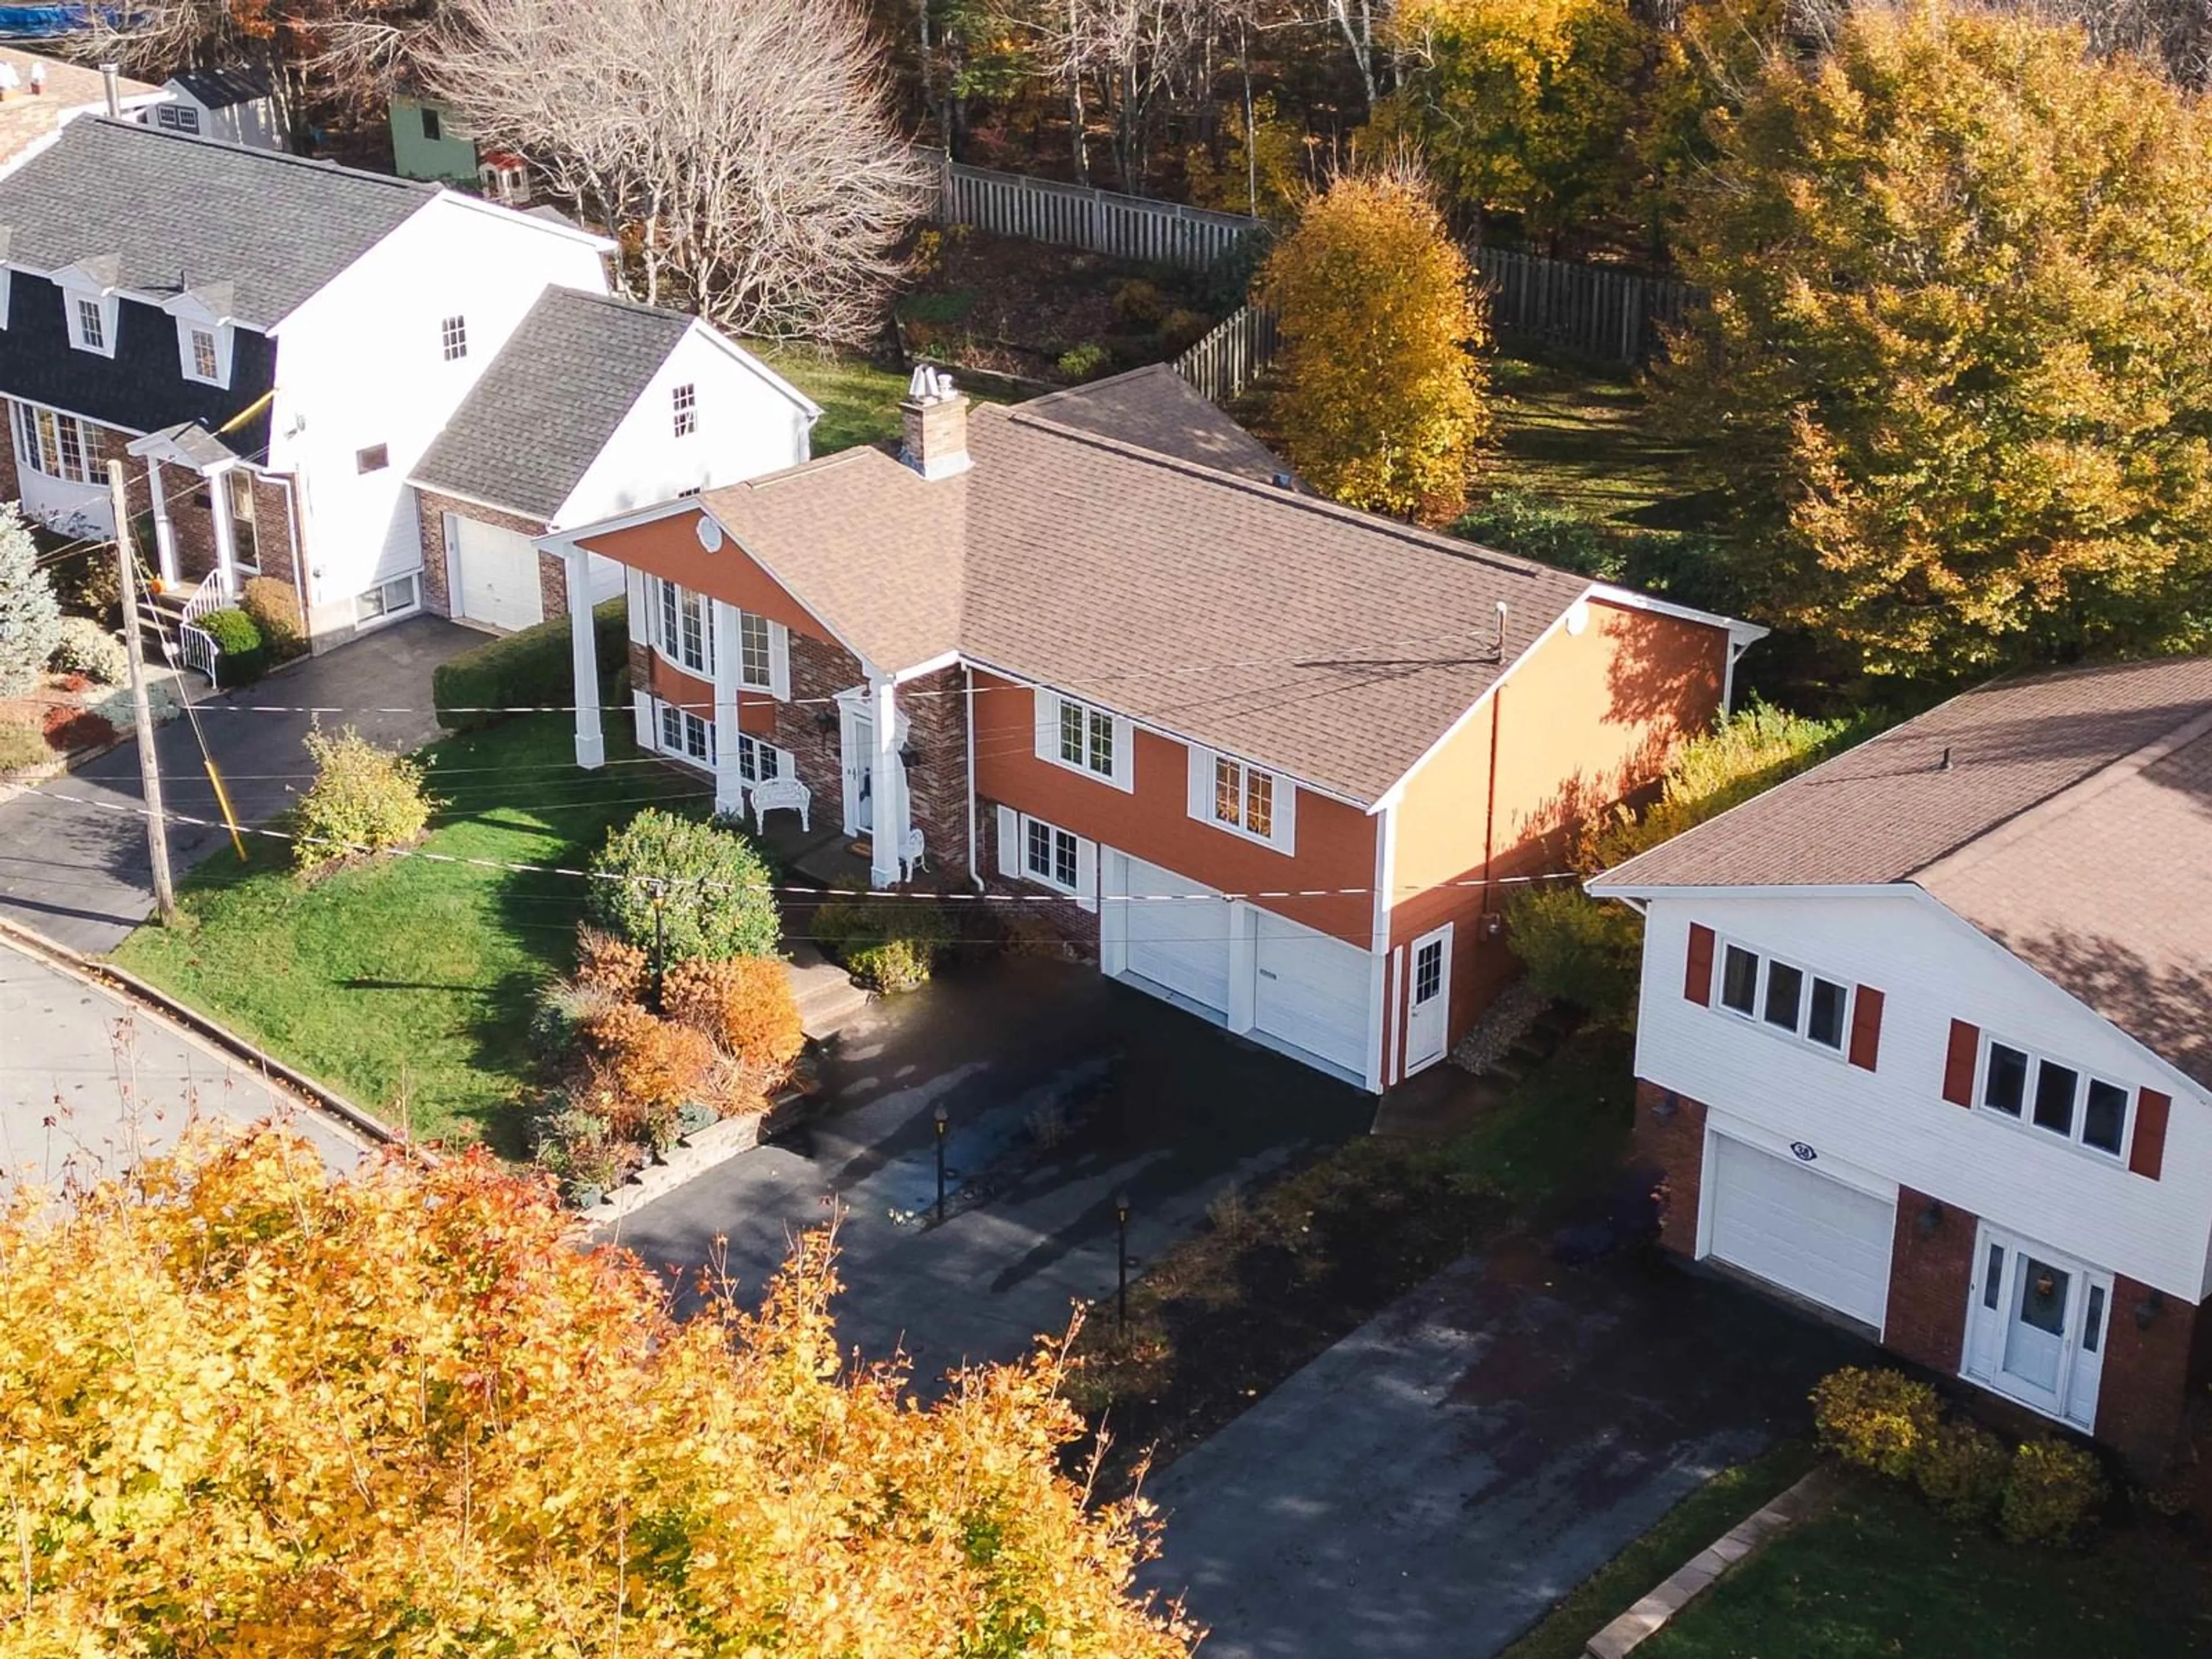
pixel 783 795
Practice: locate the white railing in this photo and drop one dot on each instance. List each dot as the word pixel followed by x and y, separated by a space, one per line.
pixel 1103 221
pixel 194 646
pixel 1231 356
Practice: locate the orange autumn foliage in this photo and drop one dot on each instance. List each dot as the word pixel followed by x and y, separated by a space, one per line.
pixel 648 1062
pixel 745 1003
pixel 247 1409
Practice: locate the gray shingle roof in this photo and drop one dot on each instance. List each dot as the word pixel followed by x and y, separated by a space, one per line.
pixel 277 226
pixel 524 436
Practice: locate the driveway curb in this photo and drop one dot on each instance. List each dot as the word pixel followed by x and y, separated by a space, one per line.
pixel 1691 1579
pixel 103 977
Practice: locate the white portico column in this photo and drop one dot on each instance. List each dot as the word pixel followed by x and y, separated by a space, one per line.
pixel 165 533
pixel 729 664
pixel 889 789
pixel 225 532
pixel 584 659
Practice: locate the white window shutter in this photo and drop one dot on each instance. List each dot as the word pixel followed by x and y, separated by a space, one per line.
pixel 641 704
pixel 1285 838
pixel 1048 724
pixel 1125 755
pixel 779 662
pixel 1010 843
pixel 1086 873
pixel 1201 784
pixel 640 610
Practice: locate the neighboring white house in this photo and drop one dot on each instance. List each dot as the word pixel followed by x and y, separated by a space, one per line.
pixel 236 105
pixel 1923 1040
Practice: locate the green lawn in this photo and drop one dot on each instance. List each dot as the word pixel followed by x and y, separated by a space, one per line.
pixel 1583 435
pixel 1882 1575
pixel 406 984
pixel 858 397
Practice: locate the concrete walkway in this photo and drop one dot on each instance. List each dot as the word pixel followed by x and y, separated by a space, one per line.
pixel 90 1083
pixel 79 874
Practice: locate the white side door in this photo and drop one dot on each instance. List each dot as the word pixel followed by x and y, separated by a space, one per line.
pixel 1428 998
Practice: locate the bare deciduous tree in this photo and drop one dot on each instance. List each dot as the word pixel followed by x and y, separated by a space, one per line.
pixel 746 149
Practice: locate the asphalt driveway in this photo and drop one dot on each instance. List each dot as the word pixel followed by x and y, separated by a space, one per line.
pixel 79 874
pixel 1428 1487
pixel 1060 1089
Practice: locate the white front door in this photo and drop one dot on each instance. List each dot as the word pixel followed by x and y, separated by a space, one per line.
pixel 1428 999
pixel 2036 1327
pixel 858 744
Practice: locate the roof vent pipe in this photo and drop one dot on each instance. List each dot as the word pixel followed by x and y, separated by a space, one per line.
pixel 1499 648
pixel 1944 765
pixel 110 77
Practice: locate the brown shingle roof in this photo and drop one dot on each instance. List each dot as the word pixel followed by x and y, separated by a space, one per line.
pixel 2073 826
pixel 1156 408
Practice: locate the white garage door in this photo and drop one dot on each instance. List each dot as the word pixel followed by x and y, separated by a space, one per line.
pixel 1790 1225
pixel 1311 990
pixel 498 574
pixel 1177 934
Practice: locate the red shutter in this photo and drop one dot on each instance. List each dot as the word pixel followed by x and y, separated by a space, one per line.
pixel 1698 982
pixel 2148 1155
pixel 1866 1027
pixel 1959 1063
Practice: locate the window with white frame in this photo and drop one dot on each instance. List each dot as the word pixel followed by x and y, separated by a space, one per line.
pixel 2061 1099
pixel 686 735
pixel 1050 854
pixel 388 600
pixel 682 627
pixel 1086 738
pixel 55 445
pixel 454 338
pixel 1785 998
pixel 206 364
pixel 177 118
pixel 92 324
pixel 756 652
pixel 759 761
pixel 1243 797
pixel 685 402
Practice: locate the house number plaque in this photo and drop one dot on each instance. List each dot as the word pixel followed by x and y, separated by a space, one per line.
pixel 1805 1154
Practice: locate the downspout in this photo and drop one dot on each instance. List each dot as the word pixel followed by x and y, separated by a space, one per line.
pixel 968 682
pixel 1490 811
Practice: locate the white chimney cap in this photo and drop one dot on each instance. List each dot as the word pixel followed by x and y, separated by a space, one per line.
pixel 927 384
pixel 7 77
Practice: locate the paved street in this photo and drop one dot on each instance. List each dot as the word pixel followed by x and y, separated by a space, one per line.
pixel 90 1083
pixel 79 874
pixel 1015 1049
pixel 1429 1486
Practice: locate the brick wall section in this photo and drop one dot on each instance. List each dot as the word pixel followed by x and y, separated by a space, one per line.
pixel 1039 905
pixel 1930 1275
pixel 278 536
pixel 819 671
pixel 552 572
pixel 641 665
pixel 1676 1145
pixel 2146 1382
pixel 936 710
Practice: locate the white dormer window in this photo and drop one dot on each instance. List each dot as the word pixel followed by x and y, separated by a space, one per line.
pixel 1242 799
pixel 91 323
pixel 204 351
pixel 205 365
pixel 454 338
pixel 685 399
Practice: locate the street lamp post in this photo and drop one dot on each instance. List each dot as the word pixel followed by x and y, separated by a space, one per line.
pixel 943 1120
pixel 1122 1262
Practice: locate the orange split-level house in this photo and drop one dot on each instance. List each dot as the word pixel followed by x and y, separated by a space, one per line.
pixel 1275 760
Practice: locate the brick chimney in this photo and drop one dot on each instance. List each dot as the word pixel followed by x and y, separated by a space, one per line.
pixel 936 417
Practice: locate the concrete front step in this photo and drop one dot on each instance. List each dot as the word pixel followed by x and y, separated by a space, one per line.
pixel 828 1000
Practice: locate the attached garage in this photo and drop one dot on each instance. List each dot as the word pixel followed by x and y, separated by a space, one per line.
pixel 1311 990
pixel 1783 1219
pixel 495 575
pixel 1177 931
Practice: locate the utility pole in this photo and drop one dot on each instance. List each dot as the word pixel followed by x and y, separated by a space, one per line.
pixel 149 765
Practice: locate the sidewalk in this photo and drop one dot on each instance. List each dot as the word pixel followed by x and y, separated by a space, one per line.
pixel 79 874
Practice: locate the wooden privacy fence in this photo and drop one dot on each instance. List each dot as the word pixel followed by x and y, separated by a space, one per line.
pixel 1123 226
pixel 1588 308
pixel 1231 357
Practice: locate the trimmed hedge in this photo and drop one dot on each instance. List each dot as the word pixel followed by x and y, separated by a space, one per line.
pixel 526 668
pixel 245 656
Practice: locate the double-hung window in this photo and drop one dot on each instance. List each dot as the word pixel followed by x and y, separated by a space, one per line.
pixel 1049 855
pixel 682 628
pixel 1785 998
pixel 685 734
pixel 91 323
pixel 2058 1098
pixel 454 338
pixel 1084 739
pixel 56 445
pixel 756 652
pixel 683 407
pixel 206 365
pixel 1243 797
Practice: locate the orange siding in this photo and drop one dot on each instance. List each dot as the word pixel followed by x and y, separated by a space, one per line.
pixel 673 684
pixel 669 548
pixel 1586 721
pixel 1335 842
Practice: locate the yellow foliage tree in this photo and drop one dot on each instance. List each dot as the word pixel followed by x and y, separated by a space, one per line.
pixel 1523 106
pixel 1383 401
pixel 248 1410
pixel 1956 375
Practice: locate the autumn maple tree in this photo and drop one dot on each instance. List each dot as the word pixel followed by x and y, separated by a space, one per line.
pixel 1382 401
pixel 1956 373
pixel 248 1409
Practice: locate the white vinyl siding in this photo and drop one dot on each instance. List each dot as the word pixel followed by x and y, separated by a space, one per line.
pixel 1090 742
